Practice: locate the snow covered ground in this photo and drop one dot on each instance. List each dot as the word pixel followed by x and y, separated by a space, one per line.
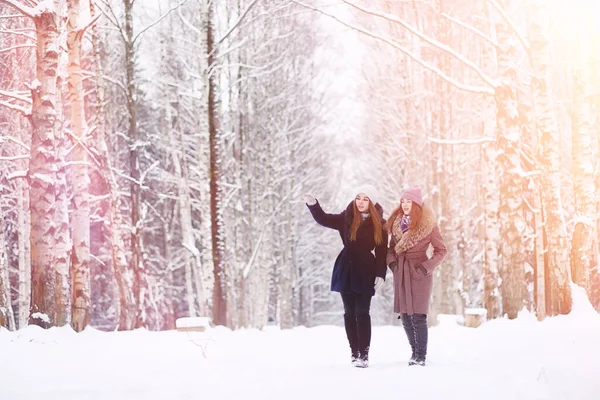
pixel 521 359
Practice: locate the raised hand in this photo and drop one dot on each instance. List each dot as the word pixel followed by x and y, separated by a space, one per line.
pixel 309 199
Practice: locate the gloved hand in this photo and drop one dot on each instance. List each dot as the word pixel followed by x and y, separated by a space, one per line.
pixel 393 265
pixel 421 269
pixel 378 282
pixel 309 199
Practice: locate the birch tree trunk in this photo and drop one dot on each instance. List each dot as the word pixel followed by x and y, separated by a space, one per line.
pixel 540 264
pixel 50 236
pixel 127 309
pixel 7 318
pixel 80 275
pixel 510 213
pixel 584 233
pixel 24 224
pixel 557 252
pixel 192 260
pixel 125 306
pixel 491 300
pixel 200 172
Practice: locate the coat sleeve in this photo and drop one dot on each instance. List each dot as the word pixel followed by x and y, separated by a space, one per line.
pixel 381 255
pixel 391 252
pixel 439 251
pixel 333 221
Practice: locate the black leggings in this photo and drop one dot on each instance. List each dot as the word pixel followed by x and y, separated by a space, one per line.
pixel 356 304
pixel 357 322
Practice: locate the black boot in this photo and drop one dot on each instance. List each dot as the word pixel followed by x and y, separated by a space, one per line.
pixel 352 334
pixel 409 328
pixel 421 337
pixel 364 339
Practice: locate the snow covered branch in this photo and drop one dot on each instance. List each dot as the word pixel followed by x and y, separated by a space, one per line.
pixel 23 110
pixel 431 41
pixel 461 141
pixel 239 20
pixel 411 55
pixel 15 96
pixel 23 9
pixel 16 141
pixel 15 158
pixel 17 46
pixel 522 39
pixel 471 29
pixel 165 15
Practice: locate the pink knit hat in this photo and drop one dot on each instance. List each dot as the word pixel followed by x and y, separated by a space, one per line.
pixel 413 194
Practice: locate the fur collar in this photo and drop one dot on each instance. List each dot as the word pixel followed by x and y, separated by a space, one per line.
pixel 405 241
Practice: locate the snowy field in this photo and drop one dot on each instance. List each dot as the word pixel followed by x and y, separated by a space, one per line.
pixel 521 359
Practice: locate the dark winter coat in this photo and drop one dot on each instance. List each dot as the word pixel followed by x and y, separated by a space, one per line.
pixel 356 267
pixel 412 289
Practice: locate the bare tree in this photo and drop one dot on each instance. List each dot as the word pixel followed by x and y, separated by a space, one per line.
pixel 558 290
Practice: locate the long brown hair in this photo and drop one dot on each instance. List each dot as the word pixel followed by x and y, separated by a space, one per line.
pixel 357 219
pixel 415 216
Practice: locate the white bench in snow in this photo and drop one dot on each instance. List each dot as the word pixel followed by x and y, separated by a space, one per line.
pixel 192 324
pixel 474 317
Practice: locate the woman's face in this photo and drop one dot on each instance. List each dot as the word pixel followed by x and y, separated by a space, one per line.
pixel 406 206
pixel 362 202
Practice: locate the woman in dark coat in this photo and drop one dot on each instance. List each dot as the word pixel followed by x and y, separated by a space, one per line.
pixel 413 228
pixel 357 273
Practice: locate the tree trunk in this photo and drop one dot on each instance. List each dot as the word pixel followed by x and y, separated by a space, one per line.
pixel 140 284
pixel 7 317
pixel 80 274
pixel 557 251
pixel 50 236
pixel 125 306
pixel 510 212
pixel 192 260
pixel 540 263
pixel 24 227
pixel 491 300
pixel 584 233
pixel 220 315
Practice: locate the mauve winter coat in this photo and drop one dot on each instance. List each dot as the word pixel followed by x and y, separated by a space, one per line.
pixel 356 267
pixel 412 289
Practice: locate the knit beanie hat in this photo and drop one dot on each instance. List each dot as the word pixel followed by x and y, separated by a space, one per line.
pixel 368 190
pixel 413 194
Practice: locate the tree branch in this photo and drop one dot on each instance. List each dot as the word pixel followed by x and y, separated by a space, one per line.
pixel 15 96
pixel 18 174
pixel 25 111
pixel 165 15
pixel 431 41
pixel 16 141
pixel 18 46
pixel 510 23
pixel 23 9
pixel 471 29
pixel 479 140
pixel 17 33
pixel 15 158
pixel 240 19
pixel 91 22
pixel 435 70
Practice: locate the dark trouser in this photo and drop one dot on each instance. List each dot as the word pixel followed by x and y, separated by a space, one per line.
pixel 415 326
pixel 357 321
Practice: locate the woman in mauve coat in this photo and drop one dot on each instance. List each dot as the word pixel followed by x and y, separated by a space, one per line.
pixel 360 267
pixel 413 228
